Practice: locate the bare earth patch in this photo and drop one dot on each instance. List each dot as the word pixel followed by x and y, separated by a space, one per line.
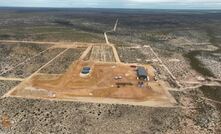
pixel 100 86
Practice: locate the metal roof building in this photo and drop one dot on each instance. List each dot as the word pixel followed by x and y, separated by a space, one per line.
pixel 141 73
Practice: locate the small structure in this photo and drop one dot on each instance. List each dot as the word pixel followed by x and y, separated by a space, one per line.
pixel 140 84
pixel 85 71
pixel 133 66
pixel 123 84
pixel 118 77
pixel 142 73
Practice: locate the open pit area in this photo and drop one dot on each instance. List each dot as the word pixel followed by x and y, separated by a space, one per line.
pixel 69 71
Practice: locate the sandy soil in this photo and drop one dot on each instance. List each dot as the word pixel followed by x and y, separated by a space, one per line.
pixel 99 84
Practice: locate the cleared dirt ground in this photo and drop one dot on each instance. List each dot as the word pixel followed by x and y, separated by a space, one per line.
pixel 99 84
pixel 179 38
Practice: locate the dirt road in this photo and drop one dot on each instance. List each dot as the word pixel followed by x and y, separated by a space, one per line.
pixel 47 43
pixel 11 79
pixel 33 74
pixel 113 30
pixel 172 76
pixel 25 61
pixel 116 56
pixel 86 52
pixel 117 59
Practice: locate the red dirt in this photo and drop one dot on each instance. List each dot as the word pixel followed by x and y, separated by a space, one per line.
pixel 100 83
